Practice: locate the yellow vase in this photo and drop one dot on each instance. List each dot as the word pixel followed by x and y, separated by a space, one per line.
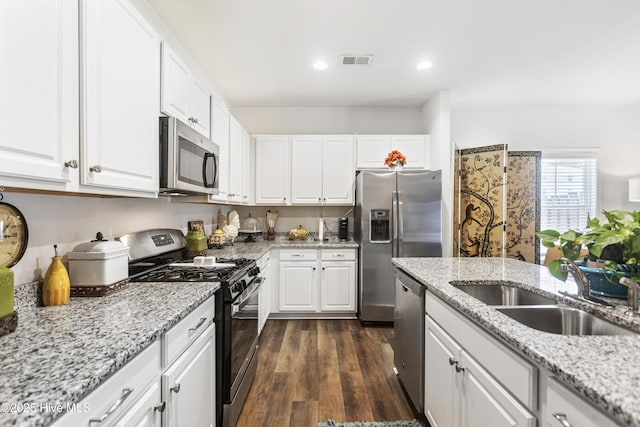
pixel 56 288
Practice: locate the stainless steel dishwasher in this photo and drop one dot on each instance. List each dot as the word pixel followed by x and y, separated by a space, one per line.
pixel 408 328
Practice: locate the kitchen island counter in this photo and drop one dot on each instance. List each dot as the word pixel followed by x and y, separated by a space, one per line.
pixel 59 354
pixel 602 369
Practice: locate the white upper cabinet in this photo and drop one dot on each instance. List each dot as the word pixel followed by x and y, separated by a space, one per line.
pixel 373 149
pixel 120 98
pixel 183 96
pixel 236 166
pixel 306 169
pixel 322 169
pixel 39 102
pixel 220 134
pixel 273 170
pixel 338 171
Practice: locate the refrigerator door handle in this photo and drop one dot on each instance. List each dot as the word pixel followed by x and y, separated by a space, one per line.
pixel 394 224
pixel 400 223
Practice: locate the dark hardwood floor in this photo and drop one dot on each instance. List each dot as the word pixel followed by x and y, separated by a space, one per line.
pixel 313 370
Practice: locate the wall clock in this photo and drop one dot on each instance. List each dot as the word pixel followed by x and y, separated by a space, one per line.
pixel 15 235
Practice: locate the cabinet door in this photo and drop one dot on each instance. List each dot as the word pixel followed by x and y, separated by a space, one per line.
pixel 200 107
pixel 236 166
pixel 121 78
pixel 39 87
pixel 414 147
pixel 264 299
pixel 298 286
pixel 247 169
pixel 484 402
pixel 220 135
pixel 306 170
pixel 372 150
pixel 338 170
pixel 273 170
pixel 175 85
pixel 441 381
pixel 188 385
pixel 147 410
pixel 338 286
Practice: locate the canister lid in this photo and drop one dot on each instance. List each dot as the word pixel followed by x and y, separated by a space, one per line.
pixel 98 249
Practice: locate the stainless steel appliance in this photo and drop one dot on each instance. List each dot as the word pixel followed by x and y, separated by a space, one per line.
pixel 343 229
pixel 397 214
pixel 157 255
pixel 408 328
pixel 188 161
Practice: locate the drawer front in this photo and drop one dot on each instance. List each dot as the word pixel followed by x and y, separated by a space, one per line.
pixel 517 375
pixel 298 255
pixel 338 254
pixel 264 261
pixel 116 395
pixel 178 338
pixel 565 407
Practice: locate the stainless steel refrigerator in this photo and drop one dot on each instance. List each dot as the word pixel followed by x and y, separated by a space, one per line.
pixel 397 214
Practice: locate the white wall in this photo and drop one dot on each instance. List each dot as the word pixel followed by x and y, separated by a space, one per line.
pixel 69 220
pixel 614 131
pixel 437 119
pixel 330 120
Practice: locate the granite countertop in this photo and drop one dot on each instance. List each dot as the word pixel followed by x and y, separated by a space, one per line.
pixel 58 355
pixel 602 369
pixel 256 249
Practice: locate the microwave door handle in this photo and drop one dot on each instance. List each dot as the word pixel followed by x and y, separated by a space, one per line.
pixel 204 169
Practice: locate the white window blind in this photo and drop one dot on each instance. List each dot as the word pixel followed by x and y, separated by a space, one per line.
pixel 569 190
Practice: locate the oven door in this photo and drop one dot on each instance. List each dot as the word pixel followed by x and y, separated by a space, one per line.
pixel 244 333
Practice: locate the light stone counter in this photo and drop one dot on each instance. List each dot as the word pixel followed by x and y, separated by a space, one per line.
pixel 603 369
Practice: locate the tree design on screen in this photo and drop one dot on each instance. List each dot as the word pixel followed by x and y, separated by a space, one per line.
pixel 481 202
pixel 523 207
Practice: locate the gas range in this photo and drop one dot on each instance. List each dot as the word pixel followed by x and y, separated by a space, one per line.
pixel 156 256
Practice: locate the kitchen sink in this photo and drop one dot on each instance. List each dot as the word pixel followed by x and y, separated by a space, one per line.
pixel 503 294
pixel 563 320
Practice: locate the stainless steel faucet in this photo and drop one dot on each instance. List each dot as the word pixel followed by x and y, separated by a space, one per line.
pixel 632 294
pixel 581 279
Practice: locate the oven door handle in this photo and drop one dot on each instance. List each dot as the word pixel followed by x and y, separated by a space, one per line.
pixel 243 300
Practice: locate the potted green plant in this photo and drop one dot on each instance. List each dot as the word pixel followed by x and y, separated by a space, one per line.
pixel 614 249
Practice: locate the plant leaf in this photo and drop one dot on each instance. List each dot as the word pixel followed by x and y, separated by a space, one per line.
pixel 554 269
pixel 548 235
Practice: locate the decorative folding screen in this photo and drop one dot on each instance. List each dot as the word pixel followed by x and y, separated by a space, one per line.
pixel 497 203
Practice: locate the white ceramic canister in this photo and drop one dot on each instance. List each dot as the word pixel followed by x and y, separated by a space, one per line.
pixel 98 263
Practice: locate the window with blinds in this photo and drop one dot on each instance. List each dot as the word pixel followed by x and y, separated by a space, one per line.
pixel 568 196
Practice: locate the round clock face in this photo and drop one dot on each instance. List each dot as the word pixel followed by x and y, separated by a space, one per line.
pixel 14 237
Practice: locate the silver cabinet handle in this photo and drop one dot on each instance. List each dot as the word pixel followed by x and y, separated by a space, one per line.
pixel 96 168
pixel 195 119
pixel 202 320
pixel 160 407
pixel 452 361
pixel 338 255
pixel 175 388
pixel 190 119
pixel 126 392
pixel 459 368
pixel 296 255
pixel 562 419
pixel 73 164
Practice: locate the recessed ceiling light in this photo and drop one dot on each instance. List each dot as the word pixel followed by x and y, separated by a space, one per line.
pixel 423 65
pixel 320 65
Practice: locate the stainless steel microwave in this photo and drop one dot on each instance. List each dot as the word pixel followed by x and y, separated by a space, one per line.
pixel 188 161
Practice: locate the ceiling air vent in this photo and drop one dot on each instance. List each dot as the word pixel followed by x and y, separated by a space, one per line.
pixel 356 59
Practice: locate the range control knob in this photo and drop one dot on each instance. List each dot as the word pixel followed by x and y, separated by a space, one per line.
pixel 254 271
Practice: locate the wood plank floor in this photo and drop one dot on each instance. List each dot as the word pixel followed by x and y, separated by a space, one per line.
pixel 314 370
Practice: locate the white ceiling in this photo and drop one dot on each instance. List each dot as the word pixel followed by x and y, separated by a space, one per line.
pixel 259 53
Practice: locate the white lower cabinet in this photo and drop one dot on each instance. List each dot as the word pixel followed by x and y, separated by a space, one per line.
pixel 264 294
pixel 459 392
pixel 317 281
pixel 147 393
pixel 566 409
pixel 188 385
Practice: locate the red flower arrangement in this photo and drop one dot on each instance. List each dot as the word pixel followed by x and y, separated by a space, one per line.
pixel 393 157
